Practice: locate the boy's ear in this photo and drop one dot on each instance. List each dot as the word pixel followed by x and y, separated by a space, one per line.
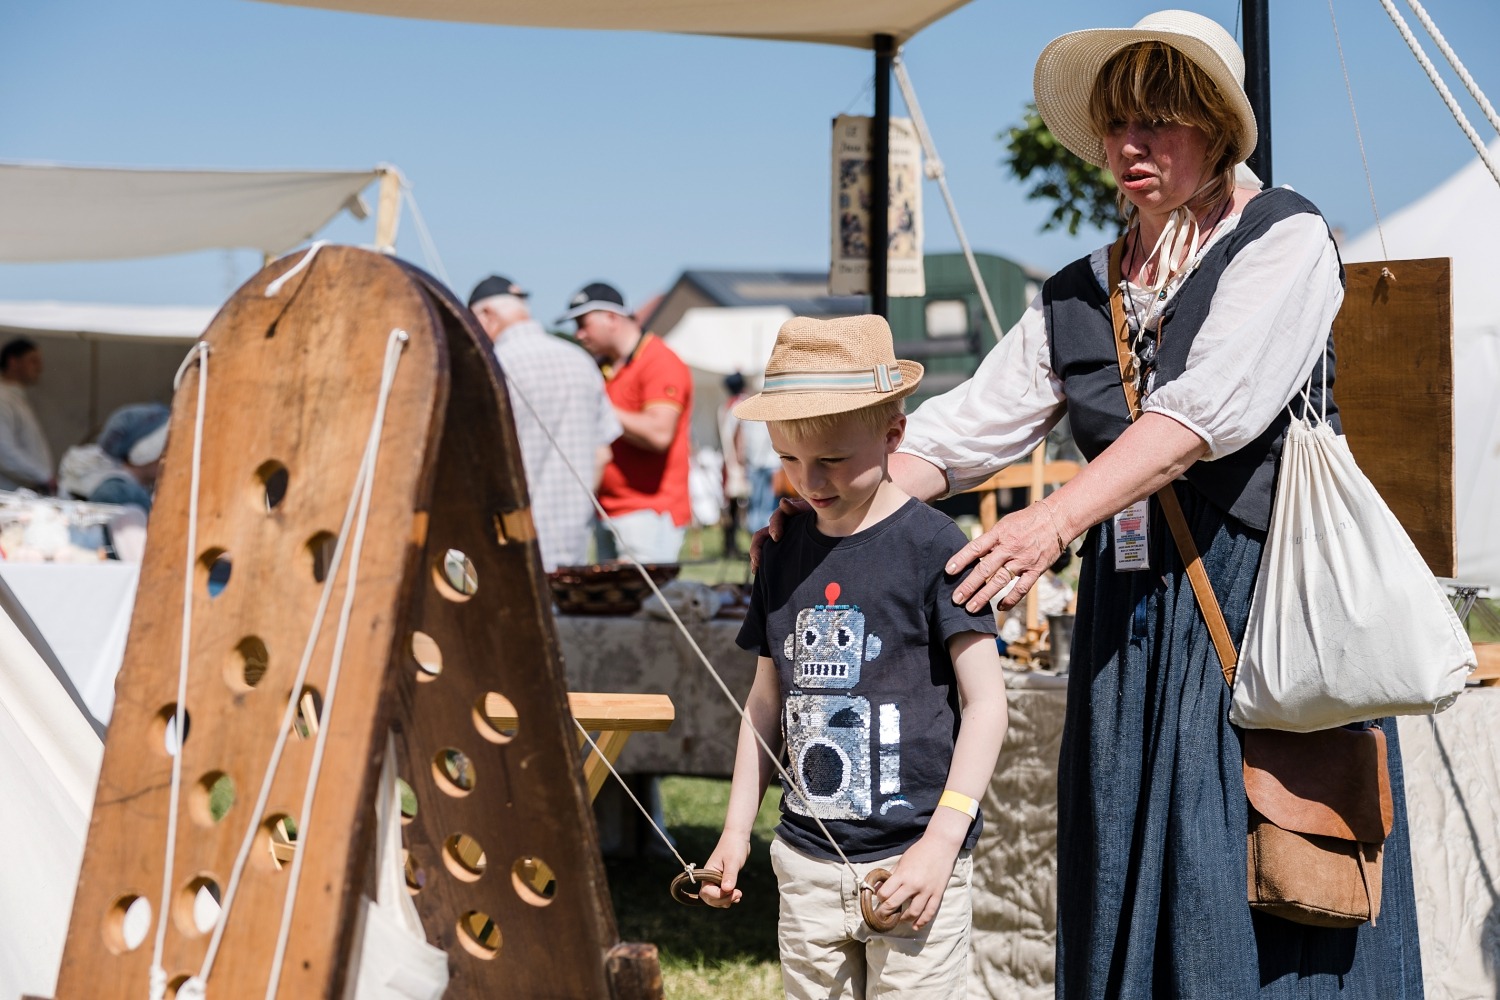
pixel 895 433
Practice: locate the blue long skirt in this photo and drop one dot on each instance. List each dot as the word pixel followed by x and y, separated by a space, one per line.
pixel 1151 803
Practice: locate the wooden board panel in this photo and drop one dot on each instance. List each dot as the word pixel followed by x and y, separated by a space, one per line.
pixel 1394 386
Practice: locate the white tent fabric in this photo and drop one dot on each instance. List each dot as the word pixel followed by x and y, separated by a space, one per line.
pixel 1459 219
pixel 833 22
pixel 727 340
pixel 49 762
pixel 61 213
pixel 98 357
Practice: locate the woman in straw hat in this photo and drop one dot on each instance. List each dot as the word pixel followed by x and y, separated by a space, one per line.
pixel 1228 295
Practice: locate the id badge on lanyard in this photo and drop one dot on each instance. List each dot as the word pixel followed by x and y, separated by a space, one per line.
pixel 1132 536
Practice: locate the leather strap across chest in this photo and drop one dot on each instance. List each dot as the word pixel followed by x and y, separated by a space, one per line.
pixel 1213 616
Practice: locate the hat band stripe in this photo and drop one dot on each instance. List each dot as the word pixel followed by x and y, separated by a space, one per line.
pixel 881 378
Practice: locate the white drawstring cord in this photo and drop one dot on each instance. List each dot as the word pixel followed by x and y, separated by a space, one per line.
pixel 274 288
pixel 289 713
pixel 687 866
pixel 365 487
pixel 1441 87
pixel 158 981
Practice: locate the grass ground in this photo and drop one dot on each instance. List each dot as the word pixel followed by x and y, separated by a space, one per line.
pixel 706 954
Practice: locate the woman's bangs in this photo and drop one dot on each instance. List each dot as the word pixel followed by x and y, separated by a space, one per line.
pixel 1149 82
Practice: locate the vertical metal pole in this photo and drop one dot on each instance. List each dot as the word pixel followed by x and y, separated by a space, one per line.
pixel 1258 80
pixel 880 177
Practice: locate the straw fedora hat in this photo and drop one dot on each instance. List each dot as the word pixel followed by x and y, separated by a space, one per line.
pixel 1069 65
pixel 824 366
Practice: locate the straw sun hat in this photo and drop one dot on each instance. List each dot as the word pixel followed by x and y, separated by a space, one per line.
pixel 824 366
pixel 1069 65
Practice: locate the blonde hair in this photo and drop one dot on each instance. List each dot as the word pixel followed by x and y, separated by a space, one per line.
pixel 875 419
pixel 1153 82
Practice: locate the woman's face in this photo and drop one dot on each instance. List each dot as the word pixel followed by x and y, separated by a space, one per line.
pixel 1158 166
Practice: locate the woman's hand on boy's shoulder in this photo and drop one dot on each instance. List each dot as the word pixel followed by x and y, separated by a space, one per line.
pixel 785 510
pixel 728 859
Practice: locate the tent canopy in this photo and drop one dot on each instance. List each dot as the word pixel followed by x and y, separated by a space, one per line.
pixel 1458 219
pixel 90 322
pixel 727 340
pixel 832 22
pixel 62 213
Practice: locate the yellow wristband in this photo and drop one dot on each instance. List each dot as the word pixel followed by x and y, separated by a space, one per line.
pixel 961 802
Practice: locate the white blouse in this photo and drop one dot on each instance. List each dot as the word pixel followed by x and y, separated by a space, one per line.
pixel 1257 348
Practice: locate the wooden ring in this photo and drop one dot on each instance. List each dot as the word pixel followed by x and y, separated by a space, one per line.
pixel 700 876
pixel 868 904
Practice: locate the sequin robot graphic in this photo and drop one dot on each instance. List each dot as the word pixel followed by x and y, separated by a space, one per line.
pixel 828 735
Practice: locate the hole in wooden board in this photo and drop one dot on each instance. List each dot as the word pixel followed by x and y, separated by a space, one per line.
pixel 247 664
pixel 276 842
pixel 196 908
pixel 495 717
pixel 127 923
pixel 215 567
pixel 453 771
pixel 408 801
pixel 464 857
pixel 478 934
pixel 176 984
pixel 309 714
pixel 272 479
pixel 320 551
pixel 534 880
pixel 164 729
pixel 424 649
pixel 455 576
pixel 416 875
pixel 211 798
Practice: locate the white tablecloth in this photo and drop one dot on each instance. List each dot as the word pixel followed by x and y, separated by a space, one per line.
pixel 83 612
pixel 1452 767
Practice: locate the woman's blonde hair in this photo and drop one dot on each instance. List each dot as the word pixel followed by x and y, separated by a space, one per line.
pixel 1153 82
pixel 874 419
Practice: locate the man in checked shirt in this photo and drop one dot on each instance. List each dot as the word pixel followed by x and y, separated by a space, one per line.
pixel 565 393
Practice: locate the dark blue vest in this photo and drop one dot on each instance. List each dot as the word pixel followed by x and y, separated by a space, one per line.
pixel 1241 484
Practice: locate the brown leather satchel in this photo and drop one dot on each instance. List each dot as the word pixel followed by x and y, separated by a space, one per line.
pixel 1319 803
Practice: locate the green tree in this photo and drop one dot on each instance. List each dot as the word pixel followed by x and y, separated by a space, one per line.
pixel 1082 191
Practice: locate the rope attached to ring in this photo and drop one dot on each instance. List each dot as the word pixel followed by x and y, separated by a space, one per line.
pixel 696 878
pixel 869 903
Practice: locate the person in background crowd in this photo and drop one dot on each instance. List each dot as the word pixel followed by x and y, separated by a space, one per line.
pixel 556 389
pixel 121 466
pixel 645 485
pixel 736 475
pixel 25 458
pixel 762 464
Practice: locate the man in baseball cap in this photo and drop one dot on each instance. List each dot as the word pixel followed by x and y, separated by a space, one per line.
pixel 556 387
pixel 645 486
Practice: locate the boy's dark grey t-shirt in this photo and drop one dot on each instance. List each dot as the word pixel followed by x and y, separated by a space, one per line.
pixel 858 628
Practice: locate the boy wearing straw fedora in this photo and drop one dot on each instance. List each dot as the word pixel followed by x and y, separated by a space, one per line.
pixel 884 699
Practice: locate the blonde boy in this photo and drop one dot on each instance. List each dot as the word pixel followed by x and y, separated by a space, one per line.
pixel 864 663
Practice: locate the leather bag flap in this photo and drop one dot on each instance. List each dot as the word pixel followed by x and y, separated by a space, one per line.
pixel 1331 783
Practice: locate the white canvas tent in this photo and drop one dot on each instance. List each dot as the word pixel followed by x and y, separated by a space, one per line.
pixel 54 212
pixel 98 357
pixel 1459 219
pixel 832 22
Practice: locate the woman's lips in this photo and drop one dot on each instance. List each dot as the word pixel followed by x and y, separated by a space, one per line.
pixel 1134 180
pixel 822 502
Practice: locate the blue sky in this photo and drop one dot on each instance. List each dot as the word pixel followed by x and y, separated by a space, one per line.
pixel 561 157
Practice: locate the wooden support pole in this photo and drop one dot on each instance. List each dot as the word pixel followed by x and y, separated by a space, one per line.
pixel 388 211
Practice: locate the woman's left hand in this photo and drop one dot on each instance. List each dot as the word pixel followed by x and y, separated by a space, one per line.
pixel 1011 556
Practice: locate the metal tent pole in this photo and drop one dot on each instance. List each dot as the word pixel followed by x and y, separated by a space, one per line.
pixel 1258 80
pixel 880 179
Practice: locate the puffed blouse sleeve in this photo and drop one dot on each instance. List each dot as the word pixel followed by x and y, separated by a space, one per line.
pixel 998 416
pixel 1264 334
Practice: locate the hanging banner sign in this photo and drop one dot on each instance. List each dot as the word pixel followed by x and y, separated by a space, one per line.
pixel 849 270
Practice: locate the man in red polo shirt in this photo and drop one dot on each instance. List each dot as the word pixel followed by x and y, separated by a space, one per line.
pixel 645 486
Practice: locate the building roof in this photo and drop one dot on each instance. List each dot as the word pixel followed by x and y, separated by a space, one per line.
pixel 805 293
